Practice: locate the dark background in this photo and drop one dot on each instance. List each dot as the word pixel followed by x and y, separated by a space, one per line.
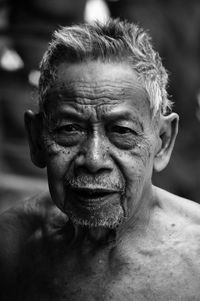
pixel 25 30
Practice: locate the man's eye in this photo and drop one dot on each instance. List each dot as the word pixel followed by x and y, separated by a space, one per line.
pixel 69 128
pixel 123 137
pixel 69 134
pixel 122 130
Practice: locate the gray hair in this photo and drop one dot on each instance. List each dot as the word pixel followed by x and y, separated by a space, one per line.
pixel 115 41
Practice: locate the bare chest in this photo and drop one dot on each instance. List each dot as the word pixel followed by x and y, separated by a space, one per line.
pixel 110 274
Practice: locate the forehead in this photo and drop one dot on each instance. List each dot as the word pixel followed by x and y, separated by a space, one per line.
pixel 97 84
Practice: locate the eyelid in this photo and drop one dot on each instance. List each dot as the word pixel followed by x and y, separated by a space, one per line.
pixel 72 125
pixel 127 126
pixel 76 126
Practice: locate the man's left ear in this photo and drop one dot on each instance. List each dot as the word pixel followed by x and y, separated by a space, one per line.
pixel 167 136
pixel 33 125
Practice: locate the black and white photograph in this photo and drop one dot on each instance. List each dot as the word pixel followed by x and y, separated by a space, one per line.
pixel 99 150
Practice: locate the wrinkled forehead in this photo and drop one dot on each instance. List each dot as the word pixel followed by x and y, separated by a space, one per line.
pixel 96 84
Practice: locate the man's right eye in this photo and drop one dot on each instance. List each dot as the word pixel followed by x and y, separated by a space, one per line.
pixel 69 134
pixel 69 128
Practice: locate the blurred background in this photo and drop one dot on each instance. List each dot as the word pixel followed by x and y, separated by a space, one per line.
pixel 25 30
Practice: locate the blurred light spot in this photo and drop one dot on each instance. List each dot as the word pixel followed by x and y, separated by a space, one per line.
pixel 198 109
pixel 33 77
pixel 10 60
pixel 96 10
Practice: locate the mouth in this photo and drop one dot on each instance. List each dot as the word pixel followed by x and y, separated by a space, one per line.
pixel 93 193
pixel 93 197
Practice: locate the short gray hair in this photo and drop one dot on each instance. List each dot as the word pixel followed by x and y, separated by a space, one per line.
pixel 115 41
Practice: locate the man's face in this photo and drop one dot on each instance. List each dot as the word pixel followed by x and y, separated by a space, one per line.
pixel 99 142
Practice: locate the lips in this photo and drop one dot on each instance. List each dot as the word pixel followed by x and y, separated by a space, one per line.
pixel 93 193
pixel 92 197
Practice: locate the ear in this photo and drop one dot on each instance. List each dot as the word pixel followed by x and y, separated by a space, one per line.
pixel 167 136
pixel 33 125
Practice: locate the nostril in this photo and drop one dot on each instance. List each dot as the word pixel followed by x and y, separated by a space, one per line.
pixel 90 161
pixel 85 166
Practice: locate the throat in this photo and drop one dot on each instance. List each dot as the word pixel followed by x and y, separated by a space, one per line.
pixel 95 235
pixel 102 235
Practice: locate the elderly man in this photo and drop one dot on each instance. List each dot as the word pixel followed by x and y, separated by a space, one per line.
pixel 103 126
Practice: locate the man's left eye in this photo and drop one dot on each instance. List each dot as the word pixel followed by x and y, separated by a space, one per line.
pixel 122 136
pixel 122 130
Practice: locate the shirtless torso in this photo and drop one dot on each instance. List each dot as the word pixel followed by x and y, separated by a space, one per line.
pixel 44 259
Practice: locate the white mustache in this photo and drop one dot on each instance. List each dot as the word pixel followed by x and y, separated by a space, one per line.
pixel 94 183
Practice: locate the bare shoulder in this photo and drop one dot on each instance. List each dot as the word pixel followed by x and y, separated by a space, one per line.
pixel 181 214
pixel 18 224
pixel 28 214
pixel 30 222
pixel 184 208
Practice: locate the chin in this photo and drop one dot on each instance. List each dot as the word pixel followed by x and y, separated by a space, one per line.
pixel 94 219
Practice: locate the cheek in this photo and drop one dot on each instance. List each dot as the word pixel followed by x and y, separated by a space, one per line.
pixel 56 155
pixel 145 157
pixel 58 160
pixel 138 162
pixel 136 166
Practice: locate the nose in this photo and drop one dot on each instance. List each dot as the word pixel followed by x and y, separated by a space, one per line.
pixel 94 155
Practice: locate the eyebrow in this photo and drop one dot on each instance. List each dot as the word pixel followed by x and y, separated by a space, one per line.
pixel 72 116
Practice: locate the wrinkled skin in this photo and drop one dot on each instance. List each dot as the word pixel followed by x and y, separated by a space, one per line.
pixel 98 136
pixel 114 236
